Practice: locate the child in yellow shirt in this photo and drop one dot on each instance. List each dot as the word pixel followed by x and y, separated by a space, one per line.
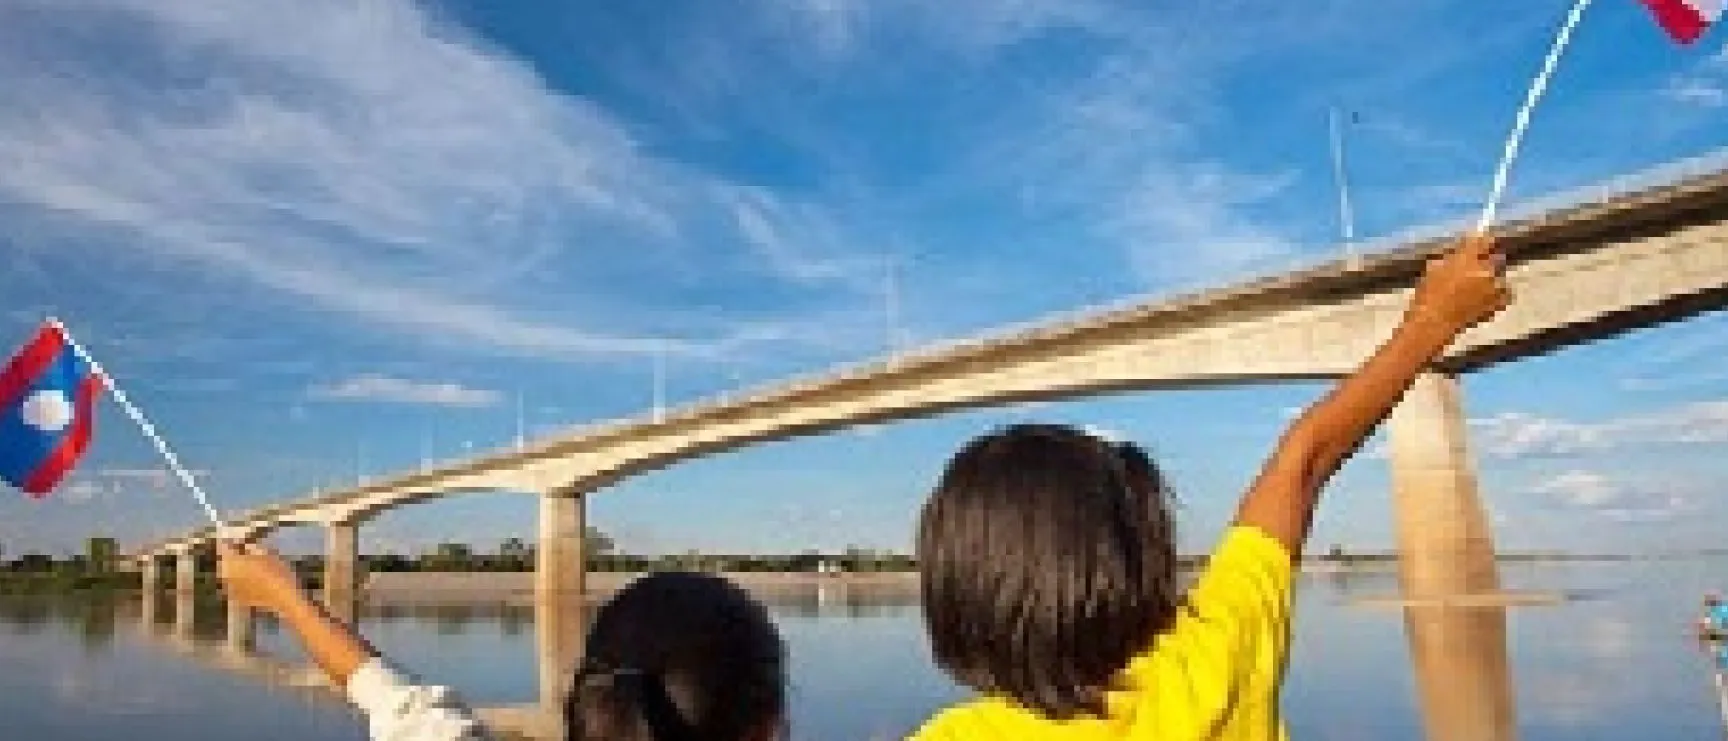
pixel 1048 566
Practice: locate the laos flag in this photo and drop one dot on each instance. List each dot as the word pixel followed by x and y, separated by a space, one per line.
pixel 47 400
pixel 1686 20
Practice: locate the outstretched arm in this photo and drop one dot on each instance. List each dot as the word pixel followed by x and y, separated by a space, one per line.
pixel 258 578
pixel 395 709
pixel 1457 290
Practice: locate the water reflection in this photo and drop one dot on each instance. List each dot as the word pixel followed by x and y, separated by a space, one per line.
pixel 1622 665
pixel 1463 678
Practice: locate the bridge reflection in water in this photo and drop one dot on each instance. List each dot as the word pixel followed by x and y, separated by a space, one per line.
pixel 185 624
pixel 1462 674
pixel 1457 647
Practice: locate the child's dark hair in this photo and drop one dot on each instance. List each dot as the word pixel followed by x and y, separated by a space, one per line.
pixel 1047 560
pixel 679 657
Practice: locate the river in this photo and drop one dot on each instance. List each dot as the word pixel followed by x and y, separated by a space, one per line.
pixel 1614 660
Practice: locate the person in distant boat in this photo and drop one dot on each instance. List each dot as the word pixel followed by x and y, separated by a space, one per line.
pixel 672 657
pixel 1714 624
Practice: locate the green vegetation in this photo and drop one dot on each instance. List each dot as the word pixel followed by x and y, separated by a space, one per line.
pixel 101 567
pixel 515 554
pixel 36 573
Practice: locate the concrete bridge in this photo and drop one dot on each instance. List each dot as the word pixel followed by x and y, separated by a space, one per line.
pixel 1615 261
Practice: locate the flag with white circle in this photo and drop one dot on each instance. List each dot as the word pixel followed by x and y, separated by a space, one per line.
pixel 47 401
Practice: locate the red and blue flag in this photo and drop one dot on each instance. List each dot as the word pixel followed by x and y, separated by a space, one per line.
pixel 1686 20
pixel 47 403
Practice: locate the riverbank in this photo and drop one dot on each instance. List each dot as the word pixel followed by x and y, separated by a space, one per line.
pixel 27 583
pixel 431 587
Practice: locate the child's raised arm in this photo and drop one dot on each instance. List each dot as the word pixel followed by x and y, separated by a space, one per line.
pixel 1457 290
pixel 395 710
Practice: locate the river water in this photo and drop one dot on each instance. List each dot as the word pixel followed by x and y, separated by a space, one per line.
pixel 1616 660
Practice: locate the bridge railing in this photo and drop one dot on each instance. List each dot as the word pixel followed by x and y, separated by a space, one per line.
pixel 1593 194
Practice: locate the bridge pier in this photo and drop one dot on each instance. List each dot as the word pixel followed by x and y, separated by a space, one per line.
pixel 240 636
pixel 149 590
pixel 1444 545
pixel 1446 550
pixel 149 574
pixel 341 569
pixel 560 579
pixel 185 587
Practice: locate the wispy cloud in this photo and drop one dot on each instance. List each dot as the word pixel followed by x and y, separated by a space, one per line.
pixel 1675 381
pixel 839 28
pixel 102 484
pixel 372 387
pixel 795 241
pixel 366 160
pixel 1611 497
pixel 1189 222
pixel 1705 85
pixel 1519 435
pixel 79 492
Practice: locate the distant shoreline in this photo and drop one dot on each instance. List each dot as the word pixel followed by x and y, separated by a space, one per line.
pixel 465 586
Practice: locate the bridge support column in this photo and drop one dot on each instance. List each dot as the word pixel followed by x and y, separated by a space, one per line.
pixel 150 574
pixel 240 636
pixel 185 586
pixel 149 590
pixel 1444 544
pixel 560 578
pixel 341 570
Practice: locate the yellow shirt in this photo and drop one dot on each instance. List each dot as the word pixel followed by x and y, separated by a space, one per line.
pixel 1215 674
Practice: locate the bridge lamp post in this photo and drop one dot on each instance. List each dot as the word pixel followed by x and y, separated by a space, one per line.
pixel 660 381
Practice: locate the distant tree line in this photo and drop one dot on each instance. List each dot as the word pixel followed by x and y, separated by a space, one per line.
pixel 515 554
pixel 96 568
pixel 100 565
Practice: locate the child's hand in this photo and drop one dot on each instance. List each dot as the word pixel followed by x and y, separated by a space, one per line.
pixel 256 577
pixel 1463 286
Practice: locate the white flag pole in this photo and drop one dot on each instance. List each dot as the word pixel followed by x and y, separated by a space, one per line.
pixel 143 423
pixel 1522 123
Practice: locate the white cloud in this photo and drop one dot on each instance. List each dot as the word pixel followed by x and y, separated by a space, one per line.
pixel 1705 85
pixel 87 485
pixel 836 29
pixel 388 389
pixel 1698 91
pixel 783 236
pixel 1518 435
pixel 363 159
pixel 1122 152
pixel 1578 488
pixel 79 492
pixel 1674 381
pixel 156 477
pixel 1612 497
pixel 1190 222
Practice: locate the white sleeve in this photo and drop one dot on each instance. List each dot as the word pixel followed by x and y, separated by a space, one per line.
pixel 398 711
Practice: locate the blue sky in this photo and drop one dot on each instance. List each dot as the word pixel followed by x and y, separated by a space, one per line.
pixel 316 239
